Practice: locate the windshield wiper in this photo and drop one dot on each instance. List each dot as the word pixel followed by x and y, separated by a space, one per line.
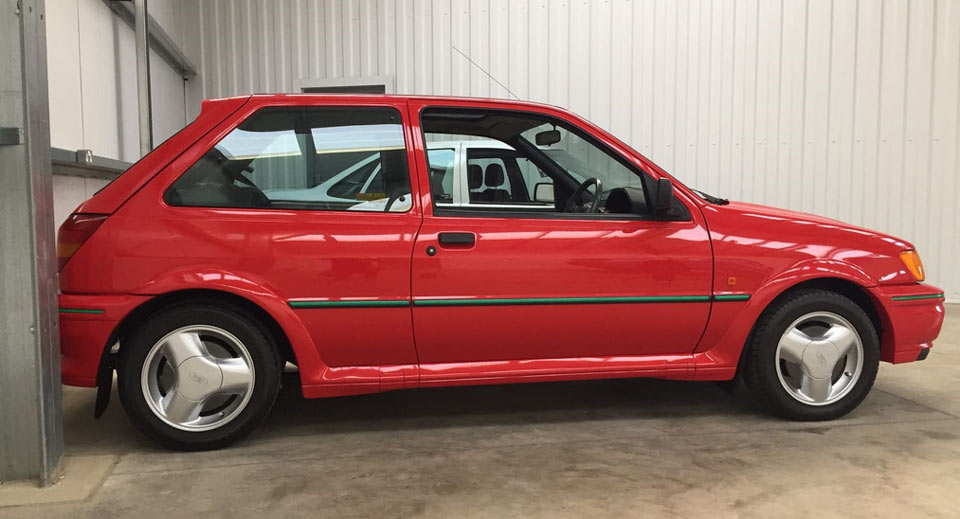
pixel 712 199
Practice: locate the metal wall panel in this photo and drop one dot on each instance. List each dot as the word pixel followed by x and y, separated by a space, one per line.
pixel 845 108
pixel 91 62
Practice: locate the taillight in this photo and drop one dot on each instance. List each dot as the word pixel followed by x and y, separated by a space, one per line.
pixel 74 232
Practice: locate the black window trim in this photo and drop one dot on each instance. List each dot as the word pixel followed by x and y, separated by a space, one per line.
pixel 484 212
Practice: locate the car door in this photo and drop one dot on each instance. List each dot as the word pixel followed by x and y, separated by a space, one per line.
pixel 490 284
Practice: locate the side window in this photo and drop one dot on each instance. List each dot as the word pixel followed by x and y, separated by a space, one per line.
pixel 303 158
pixel 522 162
pixel 487 177
pixel 532 175
pixel 495 176
pixel 441 164
pixel 354 180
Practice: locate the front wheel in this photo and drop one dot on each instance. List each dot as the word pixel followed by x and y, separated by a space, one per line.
pixel 198 376
pixel 814 356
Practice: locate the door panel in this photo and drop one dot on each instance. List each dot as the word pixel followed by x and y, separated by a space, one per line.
pixel 626 293
pixel 535 288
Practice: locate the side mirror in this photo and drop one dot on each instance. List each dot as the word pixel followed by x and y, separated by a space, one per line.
pixel 548 137
pixel 543 192
pixel 664 196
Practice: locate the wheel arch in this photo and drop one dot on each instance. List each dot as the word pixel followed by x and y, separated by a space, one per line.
pixel 730 329
pixel 108 357
pixel 840 285
pixel 178 297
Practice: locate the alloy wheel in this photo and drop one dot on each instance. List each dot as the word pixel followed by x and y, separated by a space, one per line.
pixel 819 358
pixel 197 378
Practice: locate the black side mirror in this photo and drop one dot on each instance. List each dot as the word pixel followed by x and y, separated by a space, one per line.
pixel 548 138
pixel 664 196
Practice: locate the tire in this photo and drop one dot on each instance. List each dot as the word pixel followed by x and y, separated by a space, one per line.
pixel 218 347
pixel 797 389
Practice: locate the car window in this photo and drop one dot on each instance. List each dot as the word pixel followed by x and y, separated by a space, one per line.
pixel 532 175
pixel 357 180
pixel 525 162
pixel 441 162
pixel 497 176
pixel 313 158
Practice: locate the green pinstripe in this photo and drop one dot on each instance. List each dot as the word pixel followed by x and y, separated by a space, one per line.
pixel 559 301
pixel 348 304
pixel 731 297
pixel 519 301
pixel 81 311
pixel 917 296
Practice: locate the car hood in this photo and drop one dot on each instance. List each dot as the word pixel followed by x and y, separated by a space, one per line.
pixel 768 212
pixel 761 241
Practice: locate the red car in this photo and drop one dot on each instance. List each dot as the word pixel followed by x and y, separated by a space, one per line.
pixel 374 243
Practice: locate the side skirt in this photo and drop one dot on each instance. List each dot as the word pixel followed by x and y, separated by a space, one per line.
pixel 355 380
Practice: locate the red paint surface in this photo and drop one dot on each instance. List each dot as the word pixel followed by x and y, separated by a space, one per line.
pixel 269 257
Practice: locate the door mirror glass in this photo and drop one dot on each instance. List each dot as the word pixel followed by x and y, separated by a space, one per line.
pixel 548 138
pixel 543 192
pixel 664 196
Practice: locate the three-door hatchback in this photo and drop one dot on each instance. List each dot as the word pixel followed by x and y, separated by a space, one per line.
pixel 388 242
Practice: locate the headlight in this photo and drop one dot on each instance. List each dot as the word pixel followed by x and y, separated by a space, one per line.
pixel 911 260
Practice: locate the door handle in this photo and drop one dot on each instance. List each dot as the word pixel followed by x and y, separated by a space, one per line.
pixel 457 238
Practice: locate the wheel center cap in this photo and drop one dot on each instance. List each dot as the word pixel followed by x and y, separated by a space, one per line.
pixel 819 358
pixel 197 377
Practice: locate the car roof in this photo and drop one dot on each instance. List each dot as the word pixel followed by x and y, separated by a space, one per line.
pixel 347 97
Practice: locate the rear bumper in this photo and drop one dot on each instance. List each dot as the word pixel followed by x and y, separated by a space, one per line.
pixel 911 317
pixel 87 324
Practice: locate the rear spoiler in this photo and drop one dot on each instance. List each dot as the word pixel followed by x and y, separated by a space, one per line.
pixel 114 194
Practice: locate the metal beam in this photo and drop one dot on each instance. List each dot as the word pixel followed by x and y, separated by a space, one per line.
pixel 143 78
pixel 160 41
pixel 83 163
pixel 31 437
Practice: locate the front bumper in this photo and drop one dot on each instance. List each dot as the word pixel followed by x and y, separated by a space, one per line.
pixel 910 319
pixel 87 326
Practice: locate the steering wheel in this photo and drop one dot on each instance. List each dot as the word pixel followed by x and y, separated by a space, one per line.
pixel 572 201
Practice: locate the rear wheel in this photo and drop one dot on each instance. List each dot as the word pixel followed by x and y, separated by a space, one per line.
pixel 198 376
pixel 814 356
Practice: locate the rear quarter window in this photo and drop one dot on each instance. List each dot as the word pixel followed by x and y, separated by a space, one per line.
pixel 314 158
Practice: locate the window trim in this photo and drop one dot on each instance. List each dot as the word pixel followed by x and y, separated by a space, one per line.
pixel 473 211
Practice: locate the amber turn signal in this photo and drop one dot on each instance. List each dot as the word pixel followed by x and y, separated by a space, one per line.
pixel 911 259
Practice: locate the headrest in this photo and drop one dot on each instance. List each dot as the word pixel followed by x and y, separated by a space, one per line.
pixel 474 176
pixel 493 176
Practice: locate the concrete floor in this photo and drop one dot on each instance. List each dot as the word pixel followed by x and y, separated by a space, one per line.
pixel 629 448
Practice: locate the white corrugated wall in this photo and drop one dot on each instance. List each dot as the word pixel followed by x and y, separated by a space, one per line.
pixel 92 85
pixel 844 108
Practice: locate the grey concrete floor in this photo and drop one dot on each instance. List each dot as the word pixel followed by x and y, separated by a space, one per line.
pixel 626 448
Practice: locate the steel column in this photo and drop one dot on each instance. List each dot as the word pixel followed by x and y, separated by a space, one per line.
pixel 31 430
pixel 143 76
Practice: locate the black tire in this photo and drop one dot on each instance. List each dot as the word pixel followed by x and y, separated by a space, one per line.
pixel 250 331
pixel 760 370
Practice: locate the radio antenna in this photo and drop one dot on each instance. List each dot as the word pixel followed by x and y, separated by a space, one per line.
pixel 475 64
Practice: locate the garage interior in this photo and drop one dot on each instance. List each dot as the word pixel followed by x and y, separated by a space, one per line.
pixel 846 109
